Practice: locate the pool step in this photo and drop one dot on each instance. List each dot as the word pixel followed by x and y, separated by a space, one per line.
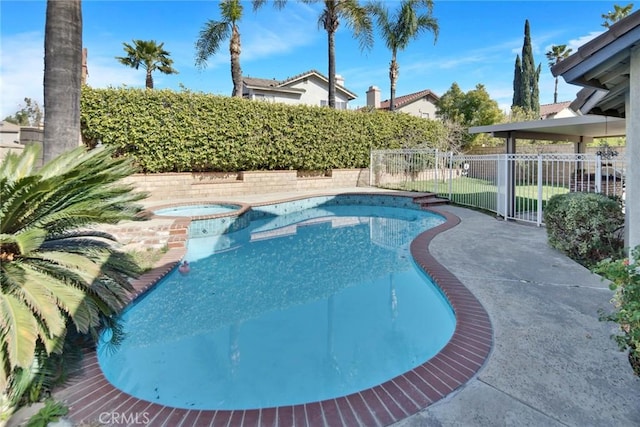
pixel 427 200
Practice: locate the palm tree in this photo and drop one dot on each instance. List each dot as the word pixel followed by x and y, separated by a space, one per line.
pixel 56 271
pixel 215 32
pixel 356 17
pixel 618 13
pixel 400 29
pixel 148 55
pixel 555 55
pixel 62 76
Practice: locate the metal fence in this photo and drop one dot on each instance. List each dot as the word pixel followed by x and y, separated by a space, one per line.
pixel 515 186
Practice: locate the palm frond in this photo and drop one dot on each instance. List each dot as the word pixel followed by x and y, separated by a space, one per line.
pixel 358 19
pixel 43 304
pixel 18 329
pixel 210 39
pixel 16 166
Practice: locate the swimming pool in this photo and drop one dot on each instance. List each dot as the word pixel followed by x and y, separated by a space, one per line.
pixel 337 281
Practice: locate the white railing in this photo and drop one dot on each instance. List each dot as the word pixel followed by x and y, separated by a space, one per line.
pixel 515 186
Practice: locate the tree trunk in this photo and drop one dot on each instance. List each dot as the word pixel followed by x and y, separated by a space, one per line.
pixel 555 93
pixel 149 80
pixel 236 71
pixel 332 69
pixel 62 76
pixel 393 78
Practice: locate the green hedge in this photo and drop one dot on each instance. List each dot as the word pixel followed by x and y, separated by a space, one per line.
pixel 168 131
pixel 585 226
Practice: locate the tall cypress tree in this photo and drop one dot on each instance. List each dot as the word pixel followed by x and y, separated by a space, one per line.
pixel 526 77
pixel 535 91
pixel 517 83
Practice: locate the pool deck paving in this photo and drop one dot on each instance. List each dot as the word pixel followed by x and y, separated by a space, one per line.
pixel 551 361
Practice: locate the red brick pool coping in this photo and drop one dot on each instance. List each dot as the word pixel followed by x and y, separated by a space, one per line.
pixel 91 397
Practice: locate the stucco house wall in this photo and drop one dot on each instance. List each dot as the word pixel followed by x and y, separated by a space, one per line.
pixel 420 104
pixel 309 88
pixel 420 108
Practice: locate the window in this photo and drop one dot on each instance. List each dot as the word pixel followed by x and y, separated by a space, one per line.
pixel 340 105
pixel 263 97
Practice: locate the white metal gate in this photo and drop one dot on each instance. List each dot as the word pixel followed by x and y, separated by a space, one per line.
pixel 515 186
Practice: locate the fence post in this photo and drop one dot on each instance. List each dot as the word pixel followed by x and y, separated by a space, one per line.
pixel 507 187
pixel 435 160
pixel 370 168
pixel 450 175
pixel 598 177
pixel 539 219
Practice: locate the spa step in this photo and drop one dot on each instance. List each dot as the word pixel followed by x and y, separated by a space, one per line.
pixel 430 199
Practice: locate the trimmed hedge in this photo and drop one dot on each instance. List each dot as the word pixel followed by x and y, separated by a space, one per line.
pixel 168 131
pixel 585 226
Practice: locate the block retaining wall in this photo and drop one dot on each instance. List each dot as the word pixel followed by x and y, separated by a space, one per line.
pixel 171 186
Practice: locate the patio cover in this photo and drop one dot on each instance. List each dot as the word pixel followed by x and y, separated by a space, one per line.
pixel 572 129
pixel 608 67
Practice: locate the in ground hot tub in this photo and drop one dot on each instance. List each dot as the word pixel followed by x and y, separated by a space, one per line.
pixel 206 218
pixel 198 210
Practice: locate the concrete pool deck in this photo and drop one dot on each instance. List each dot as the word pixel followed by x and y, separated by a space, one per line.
pixel 552 361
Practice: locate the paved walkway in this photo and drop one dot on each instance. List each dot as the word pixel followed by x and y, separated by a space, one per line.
pixel 553 363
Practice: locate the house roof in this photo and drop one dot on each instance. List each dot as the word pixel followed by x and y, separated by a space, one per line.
pixel 548 109
pixel 602 67
pixel 401 101
pixel 8 127
pixel 283 85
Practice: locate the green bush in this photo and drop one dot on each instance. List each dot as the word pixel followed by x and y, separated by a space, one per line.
pixel 168 131
pixel 625 282
pixel 50 412
pixel 585 226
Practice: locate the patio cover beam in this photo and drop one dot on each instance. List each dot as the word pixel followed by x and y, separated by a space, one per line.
pixel 571 129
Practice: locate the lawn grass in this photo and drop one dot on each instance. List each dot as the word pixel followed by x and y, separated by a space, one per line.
pixel 481 193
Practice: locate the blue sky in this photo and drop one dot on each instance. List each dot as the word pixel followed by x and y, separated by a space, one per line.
pixel 478 43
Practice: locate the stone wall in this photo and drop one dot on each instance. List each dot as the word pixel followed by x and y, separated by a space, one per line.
pixel 171 186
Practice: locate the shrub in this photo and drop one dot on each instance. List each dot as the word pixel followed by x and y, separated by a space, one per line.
pixel 168 131
pixel 585 226
pixel 58 272
pixel 625 282
pixel 52 411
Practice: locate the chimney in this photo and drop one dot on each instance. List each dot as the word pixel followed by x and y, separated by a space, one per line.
pixel 339 80
pixel 373 97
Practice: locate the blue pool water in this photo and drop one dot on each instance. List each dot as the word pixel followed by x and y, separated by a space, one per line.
pixel 294 308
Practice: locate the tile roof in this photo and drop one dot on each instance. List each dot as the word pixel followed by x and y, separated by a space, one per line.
pixel 252 81
pixel 548 109
pixel 273 83
pixel 401 101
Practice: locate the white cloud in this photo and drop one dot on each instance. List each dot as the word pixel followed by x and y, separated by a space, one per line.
pixel 106 71
pixel 574 44
pixel 21 71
